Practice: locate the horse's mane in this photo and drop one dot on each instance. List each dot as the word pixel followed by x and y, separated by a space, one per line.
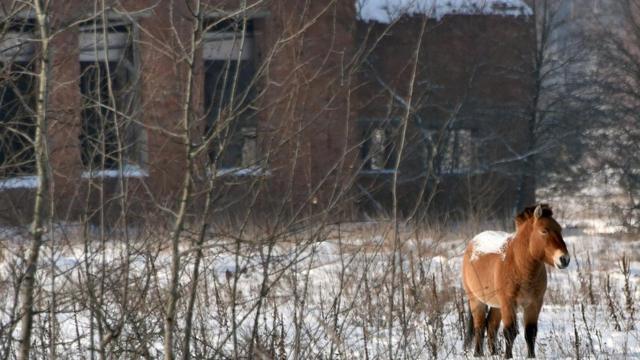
pixel 527 213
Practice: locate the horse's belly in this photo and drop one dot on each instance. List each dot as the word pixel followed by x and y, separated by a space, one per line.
pixel 479 278
pixel 491 301
pixel 487 296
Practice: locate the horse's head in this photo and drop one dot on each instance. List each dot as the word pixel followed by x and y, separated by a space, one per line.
pixel 545 241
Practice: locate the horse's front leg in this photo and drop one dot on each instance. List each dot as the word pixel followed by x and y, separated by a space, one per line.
pixel 509 323
pixel 531 313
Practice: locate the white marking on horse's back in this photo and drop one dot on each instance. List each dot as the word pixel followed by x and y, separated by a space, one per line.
pixel 490 242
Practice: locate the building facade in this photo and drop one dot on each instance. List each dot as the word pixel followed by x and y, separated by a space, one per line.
pixel 290 105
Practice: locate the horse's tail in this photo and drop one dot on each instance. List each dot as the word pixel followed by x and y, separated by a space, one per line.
pixel 468 338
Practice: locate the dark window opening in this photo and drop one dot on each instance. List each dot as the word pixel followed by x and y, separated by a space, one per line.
pixel 99 137
pixel 107 86
pixel 17 99
pixel 230 25
pixel 17 25
pixel 229 90
pixel 17 127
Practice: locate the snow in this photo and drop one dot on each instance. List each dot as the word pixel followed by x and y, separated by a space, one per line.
pixel 490 242
pixel 240 171
pixel 387 11
pixel 584 208
pixel 339 309
pixel 21 182
pixel 132 171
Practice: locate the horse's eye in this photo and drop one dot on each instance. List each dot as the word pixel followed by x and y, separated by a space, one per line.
pixel 544 231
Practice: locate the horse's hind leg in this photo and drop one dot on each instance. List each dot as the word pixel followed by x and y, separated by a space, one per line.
pixel 493 323
pixel 479 313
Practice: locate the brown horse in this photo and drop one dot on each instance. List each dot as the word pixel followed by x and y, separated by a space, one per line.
pixel 502 271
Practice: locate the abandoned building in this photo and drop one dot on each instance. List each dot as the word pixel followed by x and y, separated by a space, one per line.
pixel 312 103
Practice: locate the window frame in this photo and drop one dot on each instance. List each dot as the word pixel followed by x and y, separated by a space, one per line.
pixel 122 53
pixel 221 48
pixel 17 55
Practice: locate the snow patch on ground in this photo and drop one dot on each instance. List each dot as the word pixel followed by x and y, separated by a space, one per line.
pixel 490 242
pixel 20 182
pixel 387 11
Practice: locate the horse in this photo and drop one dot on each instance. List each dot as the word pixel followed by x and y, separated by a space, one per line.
pixel 502 271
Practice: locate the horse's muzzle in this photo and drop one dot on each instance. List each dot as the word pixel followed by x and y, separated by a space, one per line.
pixel 563 261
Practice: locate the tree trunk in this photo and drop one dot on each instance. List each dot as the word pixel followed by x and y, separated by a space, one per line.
pixel 173 293
pixel 42 192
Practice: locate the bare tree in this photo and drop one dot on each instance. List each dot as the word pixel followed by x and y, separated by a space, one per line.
pixel 42 193
pixel 615 133
pixel 561 99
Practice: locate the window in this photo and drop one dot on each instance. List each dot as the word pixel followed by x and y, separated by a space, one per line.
pixel 248 146
pixel 377 147
pixel 108 84
pixel 451 150
pixel 17 101
pixel 229 89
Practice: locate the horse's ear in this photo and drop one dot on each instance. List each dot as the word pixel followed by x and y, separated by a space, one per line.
pixel 537 213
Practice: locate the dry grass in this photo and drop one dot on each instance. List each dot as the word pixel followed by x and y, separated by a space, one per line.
pixel 328 292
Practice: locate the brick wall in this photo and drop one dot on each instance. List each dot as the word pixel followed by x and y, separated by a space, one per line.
pixel 314 89
pixel 474 73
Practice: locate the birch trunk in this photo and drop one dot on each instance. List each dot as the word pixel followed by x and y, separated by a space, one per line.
pixel 42 193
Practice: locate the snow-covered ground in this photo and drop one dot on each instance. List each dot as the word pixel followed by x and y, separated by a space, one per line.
pixel 387 11
pixel 330 297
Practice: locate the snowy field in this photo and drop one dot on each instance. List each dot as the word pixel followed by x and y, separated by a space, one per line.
pixel 323 293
